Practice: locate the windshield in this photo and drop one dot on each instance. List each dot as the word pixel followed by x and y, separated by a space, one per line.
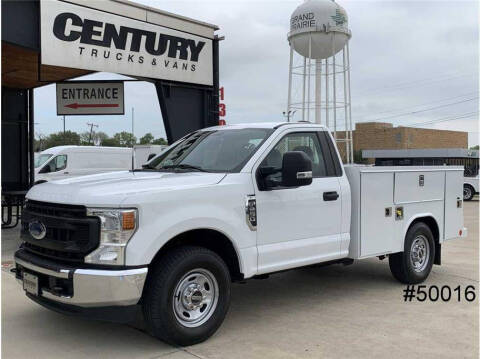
pixel 213 151
pixel 41 158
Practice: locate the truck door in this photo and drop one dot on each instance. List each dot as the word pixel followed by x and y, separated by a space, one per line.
pixel 302 225
pixel 54 168
pixel 453 204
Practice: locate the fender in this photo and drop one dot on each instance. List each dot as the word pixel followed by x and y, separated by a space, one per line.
pixel 144 252
pixel 422 215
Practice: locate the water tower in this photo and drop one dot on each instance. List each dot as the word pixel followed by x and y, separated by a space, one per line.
pixel 319 71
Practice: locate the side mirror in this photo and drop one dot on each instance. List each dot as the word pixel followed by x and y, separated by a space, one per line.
pixel 296 169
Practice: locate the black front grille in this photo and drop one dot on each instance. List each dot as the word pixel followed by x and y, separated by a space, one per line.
pixel 70 234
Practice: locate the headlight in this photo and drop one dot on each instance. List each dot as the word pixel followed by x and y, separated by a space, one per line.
pixel 117 226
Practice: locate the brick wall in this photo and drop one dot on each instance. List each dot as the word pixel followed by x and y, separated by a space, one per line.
pixel 383 136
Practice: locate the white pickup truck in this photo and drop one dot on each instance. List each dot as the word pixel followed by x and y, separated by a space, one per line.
pixel 225 204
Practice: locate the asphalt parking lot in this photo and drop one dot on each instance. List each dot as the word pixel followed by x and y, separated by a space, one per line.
pixel 327 312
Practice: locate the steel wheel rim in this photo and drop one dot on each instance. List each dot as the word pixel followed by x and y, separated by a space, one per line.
pixel 466 192
pixel 419 253
pixel 195 297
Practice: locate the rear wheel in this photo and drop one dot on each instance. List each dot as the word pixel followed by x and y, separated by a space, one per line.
pixel 468 192
pixel 187 295
pixel 414 264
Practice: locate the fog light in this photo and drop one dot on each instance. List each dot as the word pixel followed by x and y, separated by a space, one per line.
pixel 108 256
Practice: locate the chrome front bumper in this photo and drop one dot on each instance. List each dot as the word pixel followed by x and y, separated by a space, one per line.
pixel 93 287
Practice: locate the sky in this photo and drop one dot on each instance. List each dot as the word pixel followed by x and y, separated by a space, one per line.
pixel 412 63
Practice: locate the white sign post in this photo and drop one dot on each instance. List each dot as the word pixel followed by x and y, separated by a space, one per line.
pixel 90 98
pixel 79 37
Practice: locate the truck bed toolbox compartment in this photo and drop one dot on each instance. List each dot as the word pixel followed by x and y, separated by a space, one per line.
pixel 385 200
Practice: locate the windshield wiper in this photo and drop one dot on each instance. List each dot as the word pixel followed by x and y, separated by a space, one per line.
pixel 184 166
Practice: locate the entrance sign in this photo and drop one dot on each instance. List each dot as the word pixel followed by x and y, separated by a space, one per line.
pixel 78 37
pixel 90 98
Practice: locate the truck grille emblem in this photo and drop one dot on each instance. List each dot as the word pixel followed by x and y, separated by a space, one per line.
pixel 37 229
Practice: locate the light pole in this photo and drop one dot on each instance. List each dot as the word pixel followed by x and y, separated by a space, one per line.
pixel 64 138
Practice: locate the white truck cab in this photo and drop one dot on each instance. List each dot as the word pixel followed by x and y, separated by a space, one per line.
pixel 226 204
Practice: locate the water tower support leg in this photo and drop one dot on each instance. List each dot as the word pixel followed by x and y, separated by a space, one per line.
pixel 318 91
pixel 327 80
pixel 350 104
pixel 334 73
pixel 303 87
pixel 345 104
pixel 309 75
pixel 290 84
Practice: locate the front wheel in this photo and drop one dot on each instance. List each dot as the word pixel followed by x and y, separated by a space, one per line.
pixel 414 264
pixel 468 192
pixel 187 295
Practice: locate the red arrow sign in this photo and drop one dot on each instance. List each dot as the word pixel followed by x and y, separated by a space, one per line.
pixel 93 105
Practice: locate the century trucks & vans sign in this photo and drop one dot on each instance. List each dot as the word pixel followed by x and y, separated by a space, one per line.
pixel 83 38
pixel 90 98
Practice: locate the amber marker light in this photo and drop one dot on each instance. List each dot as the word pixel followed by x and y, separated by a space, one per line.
pixel 128 220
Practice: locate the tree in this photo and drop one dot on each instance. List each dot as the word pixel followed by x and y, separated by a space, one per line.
pixel 147 139
pixel 85 139
pixel 39 142
pixel 475 147
pixel 60 139
pixel 99 138
pixel 125 139
pixel 94 139
pixel 110 142
pixel 160 141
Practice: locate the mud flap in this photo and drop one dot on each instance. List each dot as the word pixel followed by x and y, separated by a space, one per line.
pixel 438 254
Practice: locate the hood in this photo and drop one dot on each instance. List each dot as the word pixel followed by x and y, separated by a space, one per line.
pixel 111 189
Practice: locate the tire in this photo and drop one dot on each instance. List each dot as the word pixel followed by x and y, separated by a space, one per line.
pixel 468 192
pixel 407 266
pixel 179 318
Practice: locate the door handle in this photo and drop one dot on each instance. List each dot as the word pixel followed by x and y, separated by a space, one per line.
pixel 330 196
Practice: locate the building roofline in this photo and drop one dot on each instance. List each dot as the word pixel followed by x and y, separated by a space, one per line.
pixel 425 153
pixel 163 12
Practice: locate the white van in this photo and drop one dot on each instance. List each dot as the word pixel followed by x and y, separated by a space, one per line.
pixel 72 161
pixel 144 153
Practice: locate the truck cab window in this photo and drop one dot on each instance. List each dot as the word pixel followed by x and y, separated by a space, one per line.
pixel 40 159
pixel 213 151
pixel 60 162
pixel 57 163
pixel 305 142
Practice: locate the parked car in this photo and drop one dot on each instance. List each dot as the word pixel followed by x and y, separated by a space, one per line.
pixel 225 204
pixel 470 187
